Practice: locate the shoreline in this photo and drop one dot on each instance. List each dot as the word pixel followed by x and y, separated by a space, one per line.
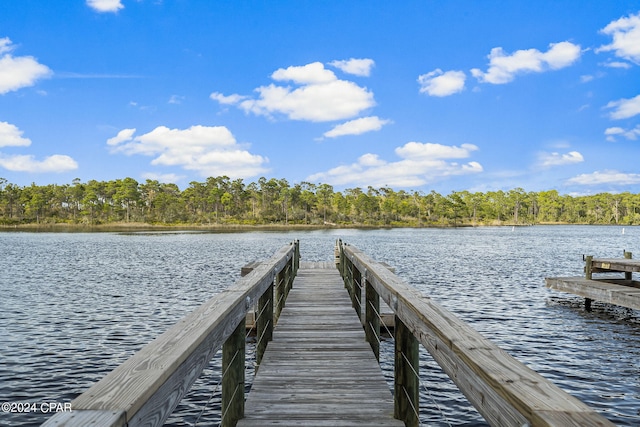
pixel 226 228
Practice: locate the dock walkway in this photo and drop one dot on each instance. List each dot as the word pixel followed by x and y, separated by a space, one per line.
pixel 318 370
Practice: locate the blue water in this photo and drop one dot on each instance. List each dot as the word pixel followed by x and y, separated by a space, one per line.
pixel 76 305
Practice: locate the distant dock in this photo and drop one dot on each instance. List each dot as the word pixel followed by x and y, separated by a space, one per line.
pixel 622 291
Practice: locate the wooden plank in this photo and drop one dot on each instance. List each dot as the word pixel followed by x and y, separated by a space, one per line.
pixel 616 265
pixel 598 290
pixel 87 418
pixel 318 370
pixel 503 390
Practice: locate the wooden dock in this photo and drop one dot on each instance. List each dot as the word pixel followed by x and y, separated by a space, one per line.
pixel 318 370
pixel 621 291
pixel 318 367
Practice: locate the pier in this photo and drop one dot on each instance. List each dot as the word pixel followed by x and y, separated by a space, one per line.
pixel 318 334
pixel 621 290
pixel 318 369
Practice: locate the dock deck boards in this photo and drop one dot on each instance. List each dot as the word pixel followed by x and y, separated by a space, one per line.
pixel 598 290
pixel 318 370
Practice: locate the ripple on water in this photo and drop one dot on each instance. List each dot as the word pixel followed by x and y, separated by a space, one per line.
pixel 77 305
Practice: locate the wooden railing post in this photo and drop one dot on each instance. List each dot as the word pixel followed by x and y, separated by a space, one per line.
pixel 356 296
pixel 340 254
pixel 628 275
pixel 264 324
pixel 407 383
pixel 588 274
pixel 349 277
pixel 233 358
pixel 371 319
pixel 279 293
pixel 286 274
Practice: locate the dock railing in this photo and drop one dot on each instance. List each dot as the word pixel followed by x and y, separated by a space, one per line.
pixel 504 391
pixel 146 388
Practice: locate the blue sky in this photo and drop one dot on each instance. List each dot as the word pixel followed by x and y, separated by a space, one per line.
pixel 418 95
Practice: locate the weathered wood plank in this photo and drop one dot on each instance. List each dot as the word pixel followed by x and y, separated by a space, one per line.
pixel 598 290
pixel 87 418
pixel 503 390
pixel 318 370
pixel 616 265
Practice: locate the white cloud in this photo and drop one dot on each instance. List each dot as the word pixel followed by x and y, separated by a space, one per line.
pixel 438 83
pixel 503 68
pixel 624 108
pixel 105 5
pixel 209 150
pixel 357 67
pixel 606 177
pixel 556 159
pixel 122 136
pixel 630 134
pixel 18 72
pixel 5 45
pixel 320 96
pixel 626 38
pixel 419 164
pixel 11 136
pixel 227 100
pixel 313 73
pixel 617 64
pixel 419 150
pixel 27 163
pixel 163 177
pixel 357 127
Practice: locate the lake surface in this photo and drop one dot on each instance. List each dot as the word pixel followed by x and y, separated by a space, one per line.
pixel 76 305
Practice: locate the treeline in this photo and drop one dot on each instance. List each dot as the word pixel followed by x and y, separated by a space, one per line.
pixel 221 200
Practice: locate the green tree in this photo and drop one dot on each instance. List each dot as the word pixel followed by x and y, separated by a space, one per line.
pixel 126 195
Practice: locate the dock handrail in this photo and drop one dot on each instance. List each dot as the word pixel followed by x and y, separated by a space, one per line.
pixel 504 391
pixel 147 387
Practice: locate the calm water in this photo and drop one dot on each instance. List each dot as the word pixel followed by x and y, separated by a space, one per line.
pixel 76 305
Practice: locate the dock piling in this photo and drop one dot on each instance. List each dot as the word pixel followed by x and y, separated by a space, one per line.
pixel 588 274
pixel 628 275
